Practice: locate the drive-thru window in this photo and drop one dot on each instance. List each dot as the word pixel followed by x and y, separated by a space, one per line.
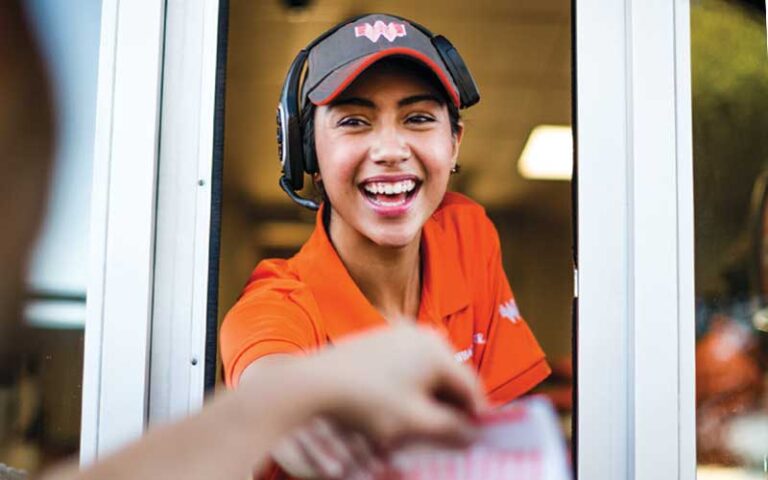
pixel 619 148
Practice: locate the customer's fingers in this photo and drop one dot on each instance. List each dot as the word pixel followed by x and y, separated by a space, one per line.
pixel 364 453
pixel 325 464
pixel 290 455
pixel 460 387
pixel 332 440
pixel 438 422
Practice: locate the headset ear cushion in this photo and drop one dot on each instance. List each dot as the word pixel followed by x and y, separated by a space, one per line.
pixel 290 149
pixel 468 91
pixel 310 159
pixel 289 127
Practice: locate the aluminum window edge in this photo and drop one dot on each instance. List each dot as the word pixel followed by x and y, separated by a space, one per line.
pixel 122 231
pixel 177 368
pixel 685 239
pixel 205 170
pixel 602 117
pixel 635 241
pixel 653 231
pixel 97 241
pixel 662 398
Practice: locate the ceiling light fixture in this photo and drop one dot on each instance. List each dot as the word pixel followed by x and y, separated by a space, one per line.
pixel 548 154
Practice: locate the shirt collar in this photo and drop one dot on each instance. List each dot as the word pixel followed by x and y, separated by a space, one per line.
pixel 444 280
pixel 343 306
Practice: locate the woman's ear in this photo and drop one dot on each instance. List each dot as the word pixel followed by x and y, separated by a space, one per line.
pixel 317 182
pixel 457 140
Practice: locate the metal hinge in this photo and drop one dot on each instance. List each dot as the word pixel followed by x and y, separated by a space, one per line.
pixel 575 282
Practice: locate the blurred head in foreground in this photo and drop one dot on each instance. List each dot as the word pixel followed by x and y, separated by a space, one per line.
pixel 26 153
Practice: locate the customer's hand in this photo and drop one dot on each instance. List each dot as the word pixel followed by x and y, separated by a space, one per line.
pixel 397 384
pixel 357 400
pixel 324 450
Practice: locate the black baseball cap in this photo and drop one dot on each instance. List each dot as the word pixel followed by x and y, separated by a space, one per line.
pixel 339 58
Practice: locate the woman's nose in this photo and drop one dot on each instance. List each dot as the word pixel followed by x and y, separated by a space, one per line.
pixel 389 147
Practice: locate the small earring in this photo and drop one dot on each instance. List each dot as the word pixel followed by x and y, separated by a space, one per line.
pixel 456 169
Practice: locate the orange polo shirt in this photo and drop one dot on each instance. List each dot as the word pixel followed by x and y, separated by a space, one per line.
pixel 308 301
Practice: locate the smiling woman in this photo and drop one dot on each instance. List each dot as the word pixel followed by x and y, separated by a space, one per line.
pixel 381 137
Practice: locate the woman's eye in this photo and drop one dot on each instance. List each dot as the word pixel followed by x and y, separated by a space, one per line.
pixel 351 122
pixel 420 119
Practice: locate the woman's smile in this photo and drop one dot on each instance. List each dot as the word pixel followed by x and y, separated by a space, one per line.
pixel 390 195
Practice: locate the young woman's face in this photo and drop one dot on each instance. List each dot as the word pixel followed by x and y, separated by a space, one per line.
pixel 385 152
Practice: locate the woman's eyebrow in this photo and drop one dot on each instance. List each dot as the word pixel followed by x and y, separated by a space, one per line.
pixel 362 102
pixel 425 97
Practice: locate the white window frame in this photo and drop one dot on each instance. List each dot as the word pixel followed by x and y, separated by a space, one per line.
pixel 152 206
pixel 148 280
pixel 177 370
pixel 635 199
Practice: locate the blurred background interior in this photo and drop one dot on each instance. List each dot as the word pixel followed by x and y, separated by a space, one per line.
pixel 520 55
pixel 730 157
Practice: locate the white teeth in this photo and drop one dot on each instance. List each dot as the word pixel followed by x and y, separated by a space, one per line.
pixel 390 188
pixel 386 203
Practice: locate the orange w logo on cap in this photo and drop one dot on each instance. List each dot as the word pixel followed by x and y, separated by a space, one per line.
pixel 379 29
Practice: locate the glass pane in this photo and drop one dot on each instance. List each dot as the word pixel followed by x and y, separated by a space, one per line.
pixel 520 55
pixel 730 148
pixel 40 400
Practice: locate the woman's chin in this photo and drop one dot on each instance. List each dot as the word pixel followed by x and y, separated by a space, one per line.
pixel 394 239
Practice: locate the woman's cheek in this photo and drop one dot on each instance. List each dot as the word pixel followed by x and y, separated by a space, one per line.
pixel 341 181
pixel 439 163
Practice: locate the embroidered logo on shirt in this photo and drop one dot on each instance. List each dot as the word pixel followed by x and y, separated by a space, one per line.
pixel 463 355
pixel 478 339
pixel 379 29
pixel 509 311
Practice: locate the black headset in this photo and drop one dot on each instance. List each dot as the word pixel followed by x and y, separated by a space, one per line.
pixel 295 162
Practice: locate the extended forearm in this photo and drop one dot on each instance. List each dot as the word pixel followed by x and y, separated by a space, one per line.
pixel 216 443
pixel 229 439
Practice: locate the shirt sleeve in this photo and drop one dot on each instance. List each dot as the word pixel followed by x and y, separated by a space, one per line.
pixel 268 319
pixel 512 361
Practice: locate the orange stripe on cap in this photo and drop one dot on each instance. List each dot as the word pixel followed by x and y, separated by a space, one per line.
pixel 370 59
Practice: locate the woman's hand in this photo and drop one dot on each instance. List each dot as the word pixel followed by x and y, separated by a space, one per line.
pixel 323 450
